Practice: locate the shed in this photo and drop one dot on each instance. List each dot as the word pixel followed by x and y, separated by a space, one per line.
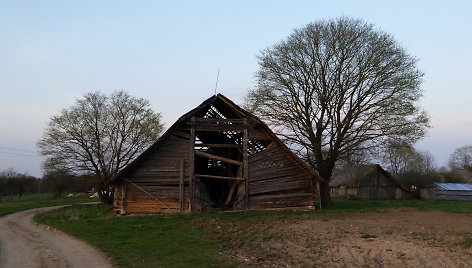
pixel 448 191
pixel 367 182
pixel 216 156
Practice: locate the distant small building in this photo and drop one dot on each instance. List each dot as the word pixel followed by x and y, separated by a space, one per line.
pixel 447 191
pixel 367 182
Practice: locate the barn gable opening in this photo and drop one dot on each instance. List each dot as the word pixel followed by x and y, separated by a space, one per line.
pixel 219 159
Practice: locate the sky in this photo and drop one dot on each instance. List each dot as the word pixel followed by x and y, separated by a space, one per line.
pixel 169 52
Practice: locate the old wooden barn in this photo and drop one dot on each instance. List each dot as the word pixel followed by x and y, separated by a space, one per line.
pixel 217 156
pixel 367 182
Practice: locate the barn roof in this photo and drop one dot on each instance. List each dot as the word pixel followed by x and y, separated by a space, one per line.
pixel 228 109
pixel 454 186
pixel 352 176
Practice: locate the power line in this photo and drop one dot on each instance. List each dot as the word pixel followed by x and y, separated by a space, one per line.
pixel 1 152
pixel 14 149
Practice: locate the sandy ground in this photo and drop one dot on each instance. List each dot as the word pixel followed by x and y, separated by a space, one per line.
pixel 25 244
pixel 392 238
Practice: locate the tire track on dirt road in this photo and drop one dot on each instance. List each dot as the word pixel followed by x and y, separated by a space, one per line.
pixel 26 244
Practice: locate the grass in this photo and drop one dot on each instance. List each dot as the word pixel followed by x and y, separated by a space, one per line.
pixel 345 205
pixel 466 242
pixel 177 241
pixel 38 200
pixel 141 241
pixel 368 236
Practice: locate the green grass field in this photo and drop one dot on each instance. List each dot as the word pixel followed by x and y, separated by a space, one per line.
pixel 174 241
pixel 39 200
pixel 141 241
pixel 365 205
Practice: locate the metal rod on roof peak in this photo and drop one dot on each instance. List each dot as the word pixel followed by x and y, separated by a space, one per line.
pixel 217 77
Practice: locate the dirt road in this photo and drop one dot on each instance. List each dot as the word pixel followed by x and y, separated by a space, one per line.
pixel 25 244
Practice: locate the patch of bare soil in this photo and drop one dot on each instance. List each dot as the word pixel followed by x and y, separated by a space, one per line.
pixel 398 237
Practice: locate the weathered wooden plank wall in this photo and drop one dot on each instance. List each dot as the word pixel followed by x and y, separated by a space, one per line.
pixel 344 192
pixel 276 181
pixel 154 185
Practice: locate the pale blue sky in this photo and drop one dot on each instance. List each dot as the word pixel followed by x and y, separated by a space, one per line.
pixel 169 52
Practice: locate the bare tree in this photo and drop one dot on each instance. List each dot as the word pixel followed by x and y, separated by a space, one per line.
pixel 336 87
pixel 397 155
pixel 99 135
pixel 461 158
pixel 414 169
pixel 425 162
pixel 357 158
pixel 400 157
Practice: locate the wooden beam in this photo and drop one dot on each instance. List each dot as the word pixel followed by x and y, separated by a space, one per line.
pixel 219 158
pixel 217 127
pixel 192 167
pixel 123 198
pixel 246 165
pixel 219 120
pixel 219 177
pixel 234 187
pixel 215 145
pixel 181 187
pixel 158 170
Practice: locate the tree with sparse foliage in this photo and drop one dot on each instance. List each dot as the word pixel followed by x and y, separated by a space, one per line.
pixel 99 135
pixel 401 157
pixel 56 182
pixel 461 158
pixel 414 169
pixel 397 155
pixel 336 87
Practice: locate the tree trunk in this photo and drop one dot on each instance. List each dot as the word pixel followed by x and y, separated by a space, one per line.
pixel 325 194
pixel 111 195
pixel 105 192
pixel 106 195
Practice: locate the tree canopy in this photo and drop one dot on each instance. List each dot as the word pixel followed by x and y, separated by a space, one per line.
pixel 99 135
pixel 336 87
pixel 413 169
pixel 401 157
pixel 13 183
pixel 461 158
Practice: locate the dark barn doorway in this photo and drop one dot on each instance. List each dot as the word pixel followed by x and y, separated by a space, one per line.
pixel 219 177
